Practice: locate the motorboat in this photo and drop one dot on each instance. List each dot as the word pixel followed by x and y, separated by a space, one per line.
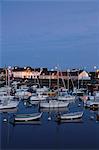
pixel 91 103
pixel 66 98
pixel 27 117
pixel 8 104
pixel 22 94
pixel 6 97
pixel 38 97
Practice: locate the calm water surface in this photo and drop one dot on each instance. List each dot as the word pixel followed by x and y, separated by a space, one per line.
pixel 49 134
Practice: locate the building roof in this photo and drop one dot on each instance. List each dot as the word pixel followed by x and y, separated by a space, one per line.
pixel 16 69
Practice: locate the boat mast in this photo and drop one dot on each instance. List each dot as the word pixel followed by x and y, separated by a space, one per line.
pixel 58 81
pixel 6 71
pixel 49 80
pixel 9 73
pixel 8 77
pixel 68 79
pixel 78 79
pixel 62 79
pixel 71 80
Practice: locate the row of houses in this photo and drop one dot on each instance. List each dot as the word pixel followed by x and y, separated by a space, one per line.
pixel 44 73
pixel 97 72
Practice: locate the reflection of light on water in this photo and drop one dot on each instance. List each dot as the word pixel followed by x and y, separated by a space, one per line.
pixel 49 118
pixel 8 110
pixel 91 117
pixel 53 109
pixel 36 122
pixel 62 131
pixel 5 120
pixel 70 121
pixel 6 129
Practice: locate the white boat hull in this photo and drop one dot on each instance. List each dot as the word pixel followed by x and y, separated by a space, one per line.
pixel 28 117
pixel 9 105
pixel 67 98
pixel 37 98
pixel 75 115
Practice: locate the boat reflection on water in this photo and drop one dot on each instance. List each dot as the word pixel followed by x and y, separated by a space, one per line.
pixel 27 104
pixel 36 122
pixel 34 102
pixel 53 109
pixel 9 110
pixel 69 121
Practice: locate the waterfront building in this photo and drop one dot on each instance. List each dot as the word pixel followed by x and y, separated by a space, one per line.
pixel 84 76
pixel 97 73
pixel 26 72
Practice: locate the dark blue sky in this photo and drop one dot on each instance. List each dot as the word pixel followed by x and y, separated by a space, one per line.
pixel 43 34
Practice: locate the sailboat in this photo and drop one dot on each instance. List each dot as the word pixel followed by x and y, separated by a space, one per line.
pixel 63 95
pixel 7 101
pixel 54 103
pixel 78 91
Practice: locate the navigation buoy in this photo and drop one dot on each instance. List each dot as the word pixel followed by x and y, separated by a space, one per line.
pixel 5 120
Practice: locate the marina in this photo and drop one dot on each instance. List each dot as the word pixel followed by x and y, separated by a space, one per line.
pixel 65 119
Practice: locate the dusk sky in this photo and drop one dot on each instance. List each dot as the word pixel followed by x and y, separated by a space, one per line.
pixel 44 34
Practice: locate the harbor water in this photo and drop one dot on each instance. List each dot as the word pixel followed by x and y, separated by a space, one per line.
pixel 47 133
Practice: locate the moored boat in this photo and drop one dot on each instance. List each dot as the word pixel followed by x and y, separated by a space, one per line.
pixel 66 98
pixel 91 103
pixel 74 115
pixel 38 97
pixel 27 117
pixel 9 105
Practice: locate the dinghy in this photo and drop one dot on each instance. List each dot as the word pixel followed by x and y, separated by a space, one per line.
pixel 74 115
pixel 27 117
